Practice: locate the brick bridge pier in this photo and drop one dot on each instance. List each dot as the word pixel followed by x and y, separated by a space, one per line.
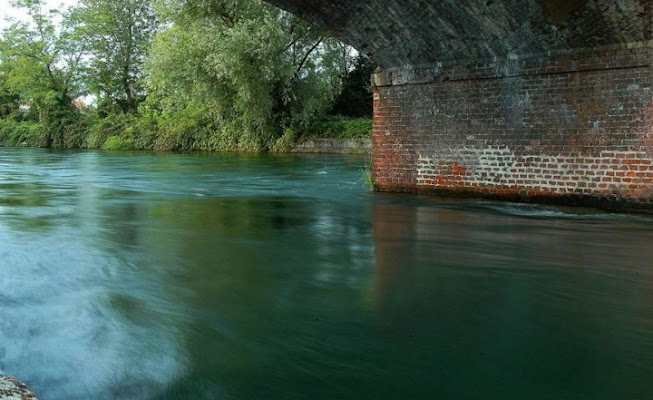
pixel 533 100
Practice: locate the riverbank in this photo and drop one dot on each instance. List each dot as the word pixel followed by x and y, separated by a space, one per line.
pixel 334 134
pixel 334 146
pixel 12 389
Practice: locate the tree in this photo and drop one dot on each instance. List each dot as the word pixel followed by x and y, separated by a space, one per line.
pixel 117 34
pixel 9 101
pixel 255 71
pixel 355 100
pixel 41 64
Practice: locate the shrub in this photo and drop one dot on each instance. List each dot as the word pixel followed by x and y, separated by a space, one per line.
pixel 340 128
pixel 22 134
pixel 118 143
pixel 355 100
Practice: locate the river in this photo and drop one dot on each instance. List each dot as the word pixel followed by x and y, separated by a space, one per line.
pixel 177 276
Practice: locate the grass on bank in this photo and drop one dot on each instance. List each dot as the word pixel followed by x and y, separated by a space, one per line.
pixel 21 134
pixel 129 132
pixel 118 143
pixel 338 127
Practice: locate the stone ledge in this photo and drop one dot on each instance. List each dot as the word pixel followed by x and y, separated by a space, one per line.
pixel 11 389
pixel 630 55
pixel 336 146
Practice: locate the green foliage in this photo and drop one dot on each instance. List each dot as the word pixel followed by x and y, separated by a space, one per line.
pixel 113 125
pixel 355 100
pixel 9 101
pixel 22 134
pixel 137 131
pixel 183 130
pixel 286 142
pixel 62 133
pixel 118 143
pixel 256 70
pixel 368 178
pixel 117 35
pixel 66 129
pixel 339 127
pixel 40 65
pixel 220 75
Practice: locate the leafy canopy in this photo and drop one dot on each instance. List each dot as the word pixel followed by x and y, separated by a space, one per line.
pixel 117 35
pixel 257 71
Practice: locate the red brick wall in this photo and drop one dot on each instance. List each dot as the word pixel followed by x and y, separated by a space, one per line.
pixel 574 128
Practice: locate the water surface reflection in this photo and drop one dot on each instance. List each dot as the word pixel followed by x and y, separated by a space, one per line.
pixel 517 301
pixel 145 276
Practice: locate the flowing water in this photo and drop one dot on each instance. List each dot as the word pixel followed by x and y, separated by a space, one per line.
pixel 161 276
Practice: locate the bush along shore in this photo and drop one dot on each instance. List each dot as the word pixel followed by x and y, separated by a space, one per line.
pixel 214 75
pixel 128 132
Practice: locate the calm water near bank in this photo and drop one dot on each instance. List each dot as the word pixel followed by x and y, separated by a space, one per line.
pixel 171 276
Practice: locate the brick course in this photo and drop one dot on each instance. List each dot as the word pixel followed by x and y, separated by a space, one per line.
pixel 396 33
pixel 570 128
pixel 533 100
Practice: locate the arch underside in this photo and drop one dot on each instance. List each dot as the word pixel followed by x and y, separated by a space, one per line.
pixel 397 33
pixel 526 100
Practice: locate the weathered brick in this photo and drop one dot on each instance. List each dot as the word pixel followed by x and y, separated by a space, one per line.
pixel 489 111
pixel 550 135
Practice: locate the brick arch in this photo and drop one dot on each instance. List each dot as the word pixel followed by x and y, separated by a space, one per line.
pixel 416 32
pixel 526 100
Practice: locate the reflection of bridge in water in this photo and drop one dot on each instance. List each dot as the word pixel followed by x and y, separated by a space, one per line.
pixel 183 276
pixel 513 298
pixel 537 100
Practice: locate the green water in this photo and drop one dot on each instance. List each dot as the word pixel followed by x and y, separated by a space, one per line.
pixel 158 276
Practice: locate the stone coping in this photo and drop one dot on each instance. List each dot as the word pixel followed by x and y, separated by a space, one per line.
pixel 632 55
pixel 334 146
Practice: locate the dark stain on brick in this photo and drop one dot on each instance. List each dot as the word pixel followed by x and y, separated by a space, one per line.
pixel 560 10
